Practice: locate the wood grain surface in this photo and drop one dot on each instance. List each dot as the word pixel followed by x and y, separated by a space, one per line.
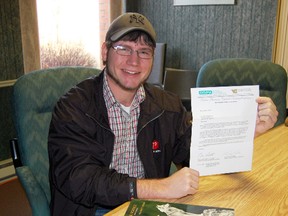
pixel 262 191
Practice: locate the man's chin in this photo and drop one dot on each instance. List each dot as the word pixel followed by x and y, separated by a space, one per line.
pixel 130 87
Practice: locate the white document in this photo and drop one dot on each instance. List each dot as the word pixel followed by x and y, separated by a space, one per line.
pixel 223 128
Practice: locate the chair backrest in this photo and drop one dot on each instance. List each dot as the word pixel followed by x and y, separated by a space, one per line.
pixel 180 81
pixel 157 72
pixel 33 100
pixel 271 77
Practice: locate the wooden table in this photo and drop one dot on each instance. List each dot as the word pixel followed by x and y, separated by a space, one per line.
pixel 262 191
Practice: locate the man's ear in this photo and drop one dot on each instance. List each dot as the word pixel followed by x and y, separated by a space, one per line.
pixel 104 52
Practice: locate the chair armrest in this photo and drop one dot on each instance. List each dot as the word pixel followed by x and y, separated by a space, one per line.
pixel 15 152
pixel 36 196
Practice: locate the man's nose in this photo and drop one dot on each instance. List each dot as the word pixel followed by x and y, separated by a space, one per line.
pixel 134 58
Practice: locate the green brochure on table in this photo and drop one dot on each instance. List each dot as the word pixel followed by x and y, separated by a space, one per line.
pixel 151 208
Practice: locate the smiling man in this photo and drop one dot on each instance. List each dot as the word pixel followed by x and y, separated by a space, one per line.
pixel 113 137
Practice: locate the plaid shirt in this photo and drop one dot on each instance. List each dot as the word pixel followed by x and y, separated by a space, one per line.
pixel 125 157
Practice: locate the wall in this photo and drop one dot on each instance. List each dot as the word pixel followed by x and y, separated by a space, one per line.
pixel 11 67
pixel 19 45
pixel 197 34
pixel 108 10
pixel 29 35
pixel 281 47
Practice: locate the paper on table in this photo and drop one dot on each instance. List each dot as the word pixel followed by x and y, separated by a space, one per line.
pixel 223 128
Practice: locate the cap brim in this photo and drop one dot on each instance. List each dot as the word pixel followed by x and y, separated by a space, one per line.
pixel 121 33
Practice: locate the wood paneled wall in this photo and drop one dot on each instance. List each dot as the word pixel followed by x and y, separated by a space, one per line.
pixel 197 34
pixel 281 40
pixel 281 44
pixel 29 35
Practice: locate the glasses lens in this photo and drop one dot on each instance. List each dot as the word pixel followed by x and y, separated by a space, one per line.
pixel 145 54
pixel 125 51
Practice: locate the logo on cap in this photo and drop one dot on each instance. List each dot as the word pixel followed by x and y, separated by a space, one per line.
pixel 137 19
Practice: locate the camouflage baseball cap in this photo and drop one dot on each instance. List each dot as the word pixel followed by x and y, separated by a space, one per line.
pixel 129 22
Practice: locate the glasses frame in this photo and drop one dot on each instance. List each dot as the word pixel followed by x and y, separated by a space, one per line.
pixel 121 50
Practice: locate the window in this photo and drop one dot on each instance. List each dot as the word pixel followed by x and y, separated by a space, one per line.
pixel 69 32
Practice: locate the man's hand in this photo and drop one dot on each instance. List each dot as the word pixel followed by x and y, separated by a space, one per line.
pixel 181 183
pixel 266 116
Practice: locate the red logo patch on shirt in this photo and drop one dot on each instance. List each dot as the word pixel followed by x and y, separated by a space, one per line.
pixel 156 146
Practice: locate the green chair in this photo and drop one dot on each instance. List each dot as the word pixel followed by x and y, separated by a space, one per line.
pixel 33 99
pixel 271 78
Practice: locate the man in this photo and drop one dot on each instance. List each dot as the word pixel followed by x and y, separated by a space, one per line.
pixel 113 137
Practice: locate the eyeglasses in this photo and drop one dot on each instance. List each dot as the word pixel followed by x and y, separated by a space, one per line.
pixel 125 51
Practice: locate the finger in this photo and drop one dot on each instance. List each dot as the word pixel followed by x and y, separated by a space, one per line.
pixel 261 100
pixel 268 107
pixel 193 189
pixel 268 112
pixel 265 103
pixel 267 118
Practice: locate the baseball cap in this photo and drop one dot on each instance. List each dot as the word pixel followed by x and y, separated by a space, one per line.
pixel 128 22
